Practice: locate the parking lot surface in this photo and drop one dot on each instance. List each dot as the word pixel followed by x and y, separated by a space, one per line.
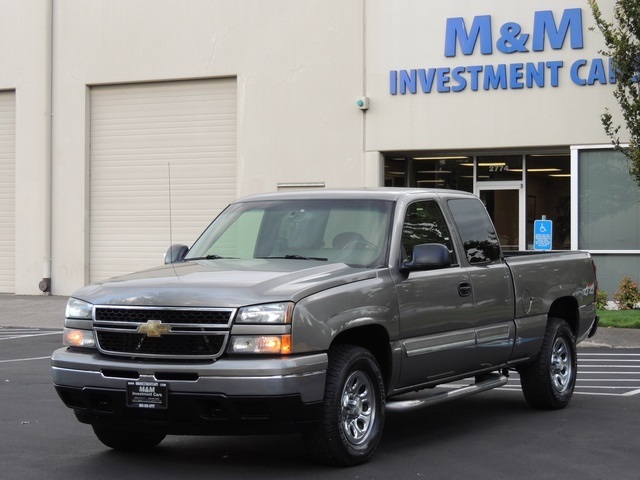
pixel 494 435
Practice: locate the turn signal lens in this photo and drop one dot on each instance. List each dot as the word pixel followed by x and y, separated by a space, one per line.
pixel 269 344
pixel 78 338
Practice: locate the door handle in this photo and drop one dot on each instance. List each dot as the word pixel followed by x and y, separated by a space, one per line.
pixel 464 289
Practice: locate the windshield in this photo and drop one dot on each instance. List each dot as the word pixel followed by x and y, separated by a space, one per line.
pixel 349 231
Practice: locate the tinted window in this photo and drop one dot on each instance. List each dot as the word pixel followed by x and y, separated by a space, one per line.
pixel 478 235
pixel 424 223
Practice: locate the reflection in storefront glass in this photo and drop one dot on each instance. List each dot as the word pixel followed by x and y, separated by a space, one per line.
pixel 609 202
pixel 443 172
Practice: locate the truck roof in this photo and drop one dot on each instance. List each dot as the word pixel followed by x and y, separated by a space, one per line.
pixel 377 193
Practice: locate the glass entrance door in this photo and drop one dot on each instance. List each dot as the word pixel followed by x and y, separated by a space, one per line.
pixel 504 203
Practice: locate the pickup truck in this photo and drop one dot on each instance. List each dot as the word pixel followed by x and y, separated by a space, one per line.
pixel 316 312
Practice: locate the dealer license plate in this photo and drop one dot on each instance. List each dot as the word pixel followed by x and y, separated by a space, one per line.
pixel 150 395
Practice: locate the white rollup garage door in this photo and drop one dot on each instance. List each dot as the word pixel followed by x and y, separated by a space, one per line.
pixel 7 191
pixel 138 133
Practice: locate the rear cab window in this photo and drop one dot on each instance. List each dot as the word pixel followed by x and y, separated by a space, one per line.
pixel 479 237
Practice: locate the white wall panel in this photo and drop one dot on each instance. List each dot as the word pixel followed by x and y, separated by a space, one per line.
pixel 137 131
pixel 7 191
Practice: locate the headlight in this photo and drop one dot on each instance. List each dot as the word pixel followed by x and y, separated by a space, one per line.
pixel 79 338
pixel 79 309
pixel 271 313
pixel 273 344
pixel 78 331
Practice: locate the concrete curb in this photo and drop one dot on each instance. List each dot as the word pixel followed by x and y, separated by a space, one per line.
pixel 614 338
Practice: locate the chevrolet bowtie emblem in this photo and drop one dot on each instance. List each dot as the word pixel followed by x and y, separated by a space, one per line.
pixel 154 328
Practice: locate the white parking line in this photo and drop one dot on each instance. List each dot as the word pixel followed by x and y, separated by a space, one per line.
pixel 618 376
pixel 608 366
pixel 28 335
pixel 602 394
pixel 584 355
pixel 25 359
pixel 610 373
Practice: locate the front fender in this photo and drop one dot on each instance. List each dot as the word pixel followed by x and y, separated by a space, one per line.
pixel 321 317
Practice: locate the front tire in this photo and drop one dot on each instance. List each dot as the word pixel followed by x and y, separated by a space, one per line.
pixel 548 382
pixel 353 409
pixel 126 440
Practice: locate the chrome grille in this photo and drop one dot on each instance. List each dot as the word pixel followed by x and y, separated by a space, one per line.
pixel 173 315
pixel 167 345
pixel 162 332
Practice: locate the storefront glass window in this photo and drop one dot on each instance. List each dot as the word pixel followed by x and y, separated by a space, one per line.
pixel 549 196
pixel 453 172
pixel 499 167
pixel 395 172
pixel 443 172
pixel 609 202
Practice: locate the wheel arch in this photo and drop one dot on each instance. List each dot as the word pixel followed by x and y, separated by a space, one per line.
pixel 375 339
pixel 566 308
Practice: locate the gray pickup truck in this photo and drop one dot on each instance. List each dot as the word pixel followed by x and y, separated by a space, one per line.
pixel 318 311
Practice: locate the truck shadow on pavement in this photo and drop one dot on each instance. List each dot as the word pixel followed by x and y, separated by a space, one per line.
pixel 451 426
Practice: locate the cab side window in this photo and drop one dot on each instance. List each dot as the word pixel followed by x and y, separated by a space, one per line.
pixel 479 237
pixel 424 223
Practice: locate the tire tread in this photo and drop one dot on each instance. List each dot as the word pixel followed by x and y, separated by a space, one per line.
pixel 324 441
pixel 535 377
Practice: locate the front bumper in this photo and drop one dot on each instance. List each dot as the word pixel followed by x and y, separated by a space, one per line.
pixel 228 396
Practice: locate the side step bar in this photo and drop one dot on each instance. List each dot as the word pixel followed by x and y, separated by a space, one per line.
pixel 488 382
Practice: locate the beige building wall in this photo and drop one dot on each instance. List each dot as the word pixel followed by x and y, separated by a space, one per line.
pixel 299 64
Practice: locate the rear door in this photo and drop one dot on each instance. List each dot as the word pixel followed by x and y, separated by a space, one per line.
pixel 491 282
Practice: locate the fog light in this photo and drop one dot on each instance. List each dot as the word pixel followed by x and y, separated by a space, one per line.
pixel 78 338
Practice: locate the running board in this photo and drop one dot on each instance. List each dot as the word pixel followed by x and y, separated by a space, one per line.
pixel 489 382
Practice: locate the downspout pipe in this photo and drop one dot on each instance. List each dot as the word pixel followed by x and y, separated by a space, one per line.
pixel 45 283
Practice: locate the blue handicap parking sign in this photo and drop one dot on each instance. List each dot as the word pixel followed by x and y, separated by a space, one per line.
pixel 542 234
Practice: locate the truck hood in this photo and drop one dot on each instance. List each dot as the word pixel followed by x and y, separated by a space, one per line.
pixel 225 283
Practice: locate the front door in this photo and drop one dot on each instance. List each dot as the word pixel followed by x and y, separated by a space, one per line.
pixel 505 204
pixel 437 314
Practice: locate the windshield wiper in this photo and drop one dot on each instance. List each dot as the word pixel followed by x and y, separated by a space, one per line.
pixel 298 257
pixel 207 257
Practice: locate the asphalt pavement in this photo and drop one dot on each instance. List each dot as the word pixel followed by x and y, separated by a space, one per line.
pixel 47 311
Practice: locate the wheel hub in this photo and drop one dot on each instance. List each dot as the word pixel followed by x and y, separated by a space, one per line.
pixel 561 365
pixel 353 407
pixel 358 408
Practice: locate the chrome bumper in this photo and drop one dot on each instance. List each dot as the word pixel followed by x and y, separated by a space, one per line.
pixel 295 375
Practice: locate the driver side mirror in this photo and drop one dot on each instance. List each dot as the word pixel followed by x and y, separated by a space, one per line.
pixel 428 256
pixel 175 254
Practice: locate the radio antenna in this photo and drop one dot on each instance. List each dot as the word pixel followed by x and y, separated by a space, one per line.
pixel 170 209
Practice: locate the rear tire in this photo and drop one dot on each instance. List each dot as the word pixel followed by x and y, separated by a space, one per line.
pixel 548 382
pixel 127 440
pixel 353 409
